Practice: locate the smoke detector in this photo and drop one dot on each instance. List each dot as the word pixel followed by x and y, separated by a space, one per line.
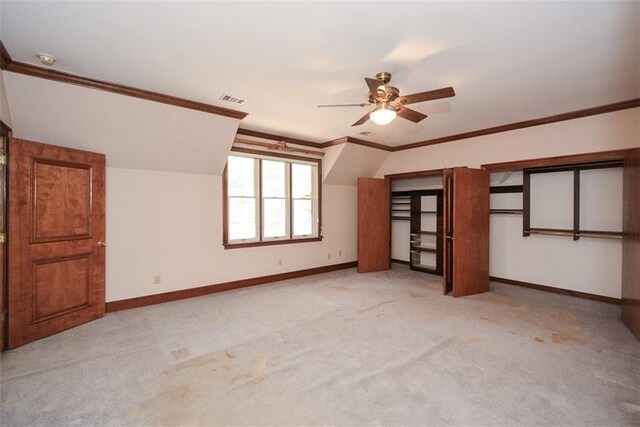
pixel 46 59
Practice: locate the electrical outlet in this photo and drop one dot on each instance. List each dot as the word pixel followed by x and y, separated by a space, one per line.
pixel 328 255
pixel 157 279
pixel 340 252
pixel 280 262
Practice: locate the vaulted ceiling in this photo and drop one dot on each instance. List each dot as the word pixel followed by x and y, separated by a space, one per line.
pixel 508 61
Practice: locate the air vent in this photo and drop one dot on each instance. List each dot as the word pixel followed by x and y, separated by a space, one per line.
pixel 367 133
pixel 234 99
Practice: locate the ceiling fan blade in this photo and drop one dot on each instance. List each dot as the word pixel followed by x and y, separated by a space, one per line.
pixel 362 120
pixel 409 114
pixel 373 84
pixel 344 105
pixel 445 92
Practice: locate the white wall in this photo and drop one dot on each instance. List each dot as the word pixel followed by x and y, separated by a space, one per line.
pixel 345 165
pixel 586 265
pixel 610 131
pixel 164 189
pixel 133 133
pixel 170 224
pixel 4 105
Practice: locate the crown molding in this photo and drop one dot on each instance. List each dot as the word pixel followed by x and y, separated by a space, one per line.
pixel 6 63
pixel 274 137
pixel 571 159
pixel 59 76
pixel 608 108
pixel 50 74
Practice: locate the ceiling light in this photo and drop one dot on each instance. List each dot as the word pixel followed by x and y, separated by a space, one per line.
pixel 46 59
pixel 383 114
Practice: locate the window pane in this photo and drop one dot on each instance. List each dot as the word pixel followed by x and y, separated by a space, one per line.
pixel 242 218
pixel 273 179
pixel 240 172
pixel 301 181
pixel 302 217
pixel 275 218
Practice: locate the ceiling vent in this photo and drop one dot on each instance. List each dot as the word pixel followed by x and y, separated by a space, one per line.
pixel 234 99
pixel 367 133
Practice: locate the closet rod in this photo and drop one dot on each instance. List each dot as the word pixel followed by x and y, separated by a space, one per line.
pixel 594 234
pixel 506 211
pixel 600 235
pixel 551 233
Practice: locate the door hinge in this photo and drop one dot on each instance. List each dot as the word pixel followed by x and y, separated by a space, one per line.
pixel 3 316
pixel 3 159
pixel 3 238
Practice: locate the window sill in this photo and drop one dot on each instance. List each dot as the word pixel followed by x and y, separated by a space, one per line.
pixel 271 243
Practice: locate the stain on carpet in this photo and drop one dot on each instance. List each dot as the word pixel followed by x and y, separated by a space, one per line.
pixel 539 339
pixel 494 321
pixel 630 407
pixel 340 288
pixel 191 363
pixel 180 353
pixel 375 306
pixel 560 337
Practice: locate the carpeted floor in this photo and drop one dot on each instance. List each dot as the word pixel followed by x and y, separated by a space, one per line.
pixel 339 348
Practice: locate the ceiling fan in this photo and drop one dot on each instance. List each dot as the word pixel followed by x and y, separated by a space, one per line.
pixel 390 104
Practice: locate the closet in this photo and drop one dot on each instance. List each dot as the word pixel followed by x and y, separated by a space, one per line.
pixel 573 220
pixel 439 224
pixel 417 223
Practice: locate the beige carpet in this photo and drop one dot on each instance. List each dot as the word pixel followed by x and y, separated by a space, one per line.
pixel 340 348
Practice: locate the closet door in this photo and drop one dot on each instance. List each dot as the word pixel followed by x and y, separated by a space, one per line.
pixel 466 231
pixel 374 224
pixel 631 244
pixel 447 235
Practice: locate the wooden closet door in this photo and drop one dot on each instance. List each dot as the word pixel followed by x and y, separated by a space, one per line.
pixel 57 229
pixel 470 234
pixel 631 244
pixel 447 235
pixel 3 222
pixel 374 224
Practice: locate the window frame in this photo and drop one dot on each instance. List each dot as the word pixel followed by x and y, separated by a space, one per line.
pixel 260 240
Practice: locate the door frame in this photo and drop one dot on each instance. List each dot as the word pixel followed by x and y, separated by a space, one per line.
pixel 5 134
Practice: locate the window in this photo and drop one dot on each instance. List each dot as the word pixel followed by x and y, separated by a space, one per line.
pixel 270 199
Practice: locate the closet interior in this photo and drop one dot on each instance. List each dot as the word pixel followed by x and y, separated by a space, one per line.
pixel 417 223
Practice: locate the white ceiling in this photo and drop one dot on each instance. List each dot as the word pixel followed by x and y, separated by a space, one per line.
pixel 507 61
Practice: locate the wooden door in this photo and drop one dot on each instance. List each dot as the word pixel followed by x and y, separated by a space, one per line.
pixel 447 235
pixel 374 224
pixel 4 140
pixel 631 244
pixel 56 245
pixel 468 231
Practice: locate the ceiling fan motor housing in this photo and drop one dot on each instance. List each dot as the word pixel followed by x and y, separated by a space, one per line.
pixel 384 77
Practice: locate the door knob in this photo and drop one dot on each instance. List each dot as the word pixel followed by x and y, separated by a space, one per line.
pixel 102 244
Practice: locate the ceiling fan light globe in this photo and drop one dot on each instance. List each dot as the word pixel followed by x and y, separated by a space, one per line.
pixel 382 116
